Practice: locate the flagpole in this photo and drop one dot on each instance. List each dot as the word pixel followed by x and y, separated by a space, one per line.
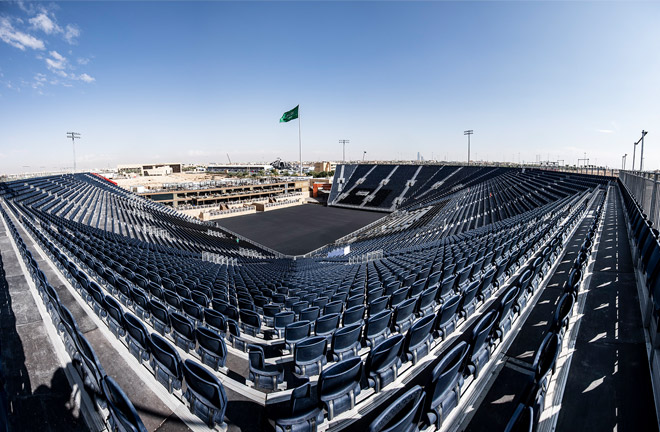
pixel 299 141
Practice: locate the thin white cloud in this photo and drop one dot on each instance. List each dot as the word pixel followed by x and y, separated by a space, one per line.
pixel 605 131
pixel 18 39
pixel 86 78
pixel 56 61
pixel 83 61
pixel 44 23
pixel 71 32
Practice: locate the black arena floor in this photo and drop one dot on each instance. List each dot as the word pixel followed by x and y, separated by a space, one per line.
pixel 300 229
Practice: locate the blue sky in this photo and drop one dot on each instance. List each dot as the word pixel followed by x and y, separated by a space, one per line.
pixel 190 82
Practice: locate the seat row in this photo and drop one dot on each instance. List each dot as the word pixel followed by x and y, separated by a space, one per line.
pixel 201 389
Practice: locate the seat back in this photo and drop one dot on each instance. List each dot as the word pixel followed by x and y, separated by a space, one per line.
pixel 339 378
pixel 378 305
pixel 283 319
pixel 403 414
pixel 215 319
pixel 419 332
pixel 297 331
pixel 481 332
pixel 346 337
pixel 546 355
pixel 166 355
pixel 123 416
pixel 385 354
pixel 326 324
pixel 353 315
pixel 377 323
pixel 310 349
pixel 448 310
pixel 310 314
pixel 447 372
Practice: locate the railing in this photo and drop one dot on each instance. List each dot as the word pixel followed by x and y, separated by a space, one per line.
pixel 644 187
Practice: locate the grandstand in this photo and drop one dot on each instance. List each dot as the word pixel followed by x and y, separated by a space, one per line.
pixel 455 311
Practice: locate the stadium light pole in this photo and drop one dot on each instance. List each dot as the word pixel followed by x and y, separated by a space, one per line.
pixel 343 142
pixel 468 133
pixel 641 153
pixel 73 136
pixel 623 161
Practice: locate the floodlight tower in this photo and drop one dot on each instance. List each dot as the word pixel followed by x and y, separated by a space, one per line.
pixel 73 136
pixel 468 133
pixel 343 142
pixel 623 161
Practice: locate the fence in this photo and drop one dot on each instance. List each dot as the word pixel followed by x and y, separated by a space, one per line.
pixel 644 187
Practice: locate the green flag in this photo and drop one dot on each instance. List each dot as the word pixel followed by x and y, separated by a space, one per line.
pixel 290 115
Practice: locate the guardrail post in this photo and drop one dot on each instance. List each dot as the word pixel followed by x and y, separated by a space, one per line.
pixel 653 198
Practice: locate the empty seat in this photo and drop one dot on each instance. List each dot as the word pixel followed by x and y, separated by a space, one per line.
pixel 468 302
pixel 183 331
pixel 160 317
pixel 88 366
pixel 334 306
pixel 282 320
pixel 426 302
pixel 137 337
pixel 305 413
pixel 447 317
pixel 205 394
pixel 309 314
pixel 261 374
pixel 140 303
pixel 402 415
pixel 346 342
pixel 377 328
pixel 326 325
pixel 295 332
pixel 378 305
pixel 309 355
pixel 115 316
pixel 562 315
pixel 250 322
pixel 212 348
pixel 447 286
pixel 339 385
pixel 270 310
pixel 403 315
pixel 398 296
pixel 505 311
pixel 192 310
pixel 383 363
pixel 356 300
pixel 215 320
pixel 419 338
pixel 123 416
pixel 353 315
pixel 446 383
pixel 166 363
pixel 480 342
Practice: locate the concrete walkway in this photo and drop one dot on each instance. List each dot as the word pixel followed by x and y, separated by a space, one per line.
pixel 609 384
pixel 39 394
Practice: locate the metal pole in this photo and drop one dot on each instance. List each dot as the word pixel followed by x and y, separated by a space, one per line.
pixel 641 153
pixel 468 133
pixel 299 141
pixel 634 151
